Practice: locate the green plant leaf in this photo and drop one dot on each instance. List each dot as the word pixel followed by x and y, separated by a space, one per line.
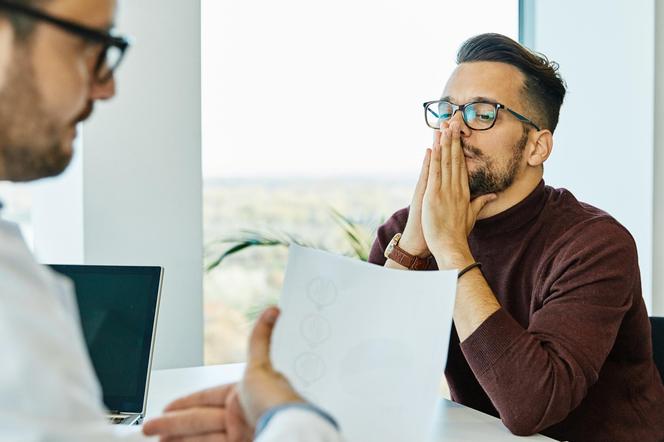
pixel 359 240
pixel 241 246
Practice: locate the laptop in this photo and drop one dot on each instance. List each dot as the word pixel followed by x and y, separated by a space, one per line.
pixel 118 307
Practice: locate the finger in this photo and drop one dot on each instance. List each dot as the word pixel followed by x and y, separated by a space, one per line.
pixel 259 342
pixel 421 186
pixel 189 422
pixel 478 203
pixel 433 180
pixel 436 138
pixel 210 437
pixel 457 159
pixel 237 427
pixel 445 159
pixel 210 397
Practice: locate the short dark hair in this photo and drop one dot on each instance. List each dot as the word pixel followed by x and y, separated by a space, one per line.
pixel 543 86
pixel 23 25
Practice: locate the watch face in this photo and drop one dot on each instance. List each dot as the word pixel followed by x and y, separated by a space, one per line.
pixel 389 248
pixel 392 244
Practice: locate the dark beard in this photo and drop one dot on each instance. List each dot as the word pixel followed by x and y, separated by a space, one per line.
pixel 30 141
pixel 485 180
pixel 21 164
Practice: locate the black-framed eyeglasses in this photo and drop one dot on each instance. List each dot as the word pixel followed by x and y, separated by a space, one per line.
pixel 113 46
pixel 478 115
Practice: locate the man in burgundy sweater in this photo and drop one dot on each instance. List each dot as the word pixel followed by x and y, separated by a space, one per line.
pixel 551 333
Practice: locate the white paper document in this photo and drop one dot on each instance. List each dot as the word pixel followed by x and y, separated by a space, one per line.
pixel 366 343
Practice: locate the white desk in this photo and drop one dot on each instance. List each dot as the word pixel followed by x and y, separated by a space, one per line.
pixel 455 422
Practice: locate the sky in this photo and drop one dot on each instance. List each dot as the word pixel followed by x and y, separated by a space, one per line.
pixel 302 88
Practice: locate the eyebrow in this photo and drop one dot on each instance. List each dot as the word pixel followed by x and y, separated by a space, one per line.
pixel 472 100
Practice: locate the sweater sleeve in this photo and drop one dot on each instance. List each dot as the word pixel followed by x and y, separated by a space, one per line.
pixel 536 376
pixel 395 224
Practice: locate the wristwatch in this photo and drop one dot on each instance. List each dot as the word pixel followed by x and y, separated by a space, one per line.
pixel 399 255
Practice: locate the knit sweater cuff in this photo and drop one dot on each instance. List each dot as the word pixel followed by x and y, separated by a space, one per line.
pixel 490 341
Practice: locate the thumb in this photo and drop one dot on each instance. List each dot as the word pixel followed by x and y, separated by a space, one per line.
pixel 259 342
pixel 478 203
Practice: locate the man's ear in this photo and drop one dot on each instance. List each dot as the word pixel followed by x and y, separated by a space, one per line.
pixel 539 147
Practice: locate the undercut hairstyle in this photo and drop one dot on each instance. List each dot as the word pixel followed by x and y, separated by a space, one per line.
pixel 23 26
pixel 543 87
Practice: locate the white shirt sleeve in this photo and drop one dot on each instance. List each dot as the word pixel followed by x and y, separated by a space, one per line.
pixel 299 425
pixel 48 388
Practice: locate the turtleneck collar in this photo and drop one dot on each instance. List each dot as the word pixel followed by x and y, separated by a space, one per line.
pixel 515 217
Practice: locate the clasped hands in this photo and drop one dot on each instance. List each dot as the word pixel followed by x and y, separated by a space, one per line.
pixel 442 213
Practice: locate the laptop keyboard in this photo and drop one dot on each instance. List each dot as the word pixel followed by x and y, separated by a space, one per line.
pixel 128 419
pixel 116 419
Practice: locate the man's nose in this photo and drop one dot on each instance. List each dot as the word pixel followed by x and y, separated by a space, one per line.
pixel 458 116
pixel 102 90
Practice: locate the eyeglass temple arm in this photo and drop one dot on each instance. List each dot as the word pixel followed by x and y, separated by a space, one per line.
pixel 520 117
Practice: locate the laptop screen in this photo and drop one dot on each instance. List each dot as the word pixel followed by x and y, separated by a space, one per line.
pixel 118 306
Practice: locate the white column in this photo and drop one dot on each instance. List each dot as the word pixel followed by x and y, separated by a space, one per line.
pixel 57 214
pixel 142 169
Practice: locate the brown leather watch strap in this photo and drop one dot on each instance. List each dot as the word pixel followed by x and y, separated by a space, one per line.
pixel 407 260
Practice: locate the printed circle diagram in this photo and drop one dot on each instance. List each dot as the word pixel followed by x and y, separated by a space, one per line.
pixel 315 329
pixel 309 367
pixel 322 292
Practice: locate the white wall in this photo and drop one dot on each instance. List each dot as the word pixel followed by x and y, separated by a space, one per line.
pixel 603 148
pixel 141 174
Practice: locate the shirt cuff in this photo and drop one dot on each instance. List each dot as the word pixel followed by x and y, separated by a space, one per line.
pixel 269 414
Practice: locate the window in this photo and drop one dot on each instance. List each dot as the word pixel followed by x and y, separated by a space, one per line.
pixel 309 106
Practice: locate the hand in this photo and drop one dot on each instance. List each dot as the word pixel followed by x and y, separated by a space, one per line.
pixel 448 214
pixel 412 238
pixel 229 413
pixel 214 414
pixel 262 387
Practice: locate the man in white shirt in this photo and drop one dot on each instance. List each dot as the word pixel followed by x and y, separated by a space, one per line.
pixel 57 58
